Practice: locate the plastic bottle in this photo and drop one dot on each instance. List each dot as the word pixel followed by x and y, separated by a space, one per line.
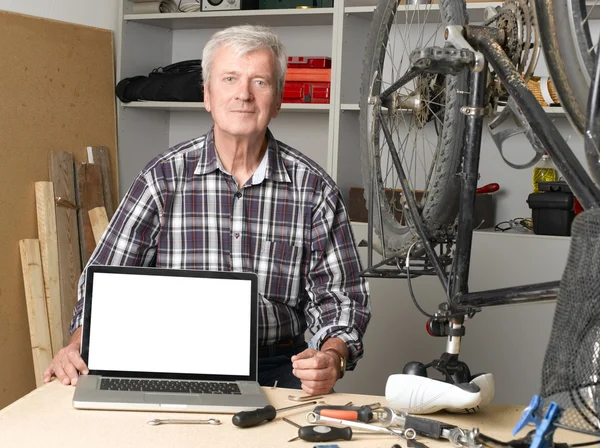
pixel 544 171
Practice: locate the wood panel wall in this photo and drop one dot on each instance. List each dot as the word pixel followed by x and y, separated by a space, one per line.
pixel 56 93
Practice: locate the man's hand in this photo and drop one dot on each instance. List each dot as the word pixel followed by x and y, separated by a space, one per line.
pixel 67 362
pixel 318 370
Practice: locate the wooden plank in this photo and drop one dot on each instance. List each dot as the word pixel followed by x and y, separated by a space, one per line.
pixel 39 331
pixel 46 219
pixel 84 229
pixel 62 176
pixel 98 155
pixel 89 193
pixel 99 221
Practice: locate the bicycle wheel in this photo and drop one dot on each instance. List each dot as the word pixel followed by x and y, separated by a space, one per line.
pixel 569 45
pixel 424 117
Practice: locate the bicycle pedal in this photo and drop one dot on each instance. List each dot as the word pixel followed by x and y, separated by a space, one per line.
pixel 442 60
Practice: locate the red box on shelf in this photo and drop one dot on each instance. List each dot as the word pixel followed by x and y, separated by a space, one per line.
pixel 309 62
pixel 306 92
pixel 308 74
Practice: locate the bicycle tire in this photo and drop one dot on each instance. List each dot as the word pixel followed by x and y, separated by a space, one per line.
pixel 564 37
pixel 440 204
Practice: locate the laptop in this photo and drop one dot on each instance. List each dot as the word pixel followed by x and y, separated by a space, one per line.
pixel 169 340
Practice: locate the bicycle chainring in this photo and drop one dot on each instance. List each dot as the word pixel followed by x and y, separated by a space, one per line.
pixel 518 20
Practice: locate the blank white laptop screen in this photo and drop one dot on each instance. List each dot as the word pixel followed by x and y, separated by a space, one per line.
pixel 154 323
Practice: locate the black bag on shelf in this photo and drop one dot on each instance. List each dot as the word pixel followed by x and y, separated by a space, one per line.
pixel 181 81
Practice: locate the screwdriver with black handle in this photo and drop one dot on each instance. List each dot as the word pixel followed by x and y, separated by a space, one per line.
pixel 246 419
pixel 320 433
pixel 324 433
pixel 363 414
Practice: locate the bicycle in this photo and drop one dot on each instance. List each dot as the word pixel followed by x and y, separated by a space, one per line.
pixel 438 100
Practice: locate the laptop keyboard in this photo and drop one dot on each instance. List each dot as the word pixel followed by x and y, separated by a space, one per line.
pixel 194 387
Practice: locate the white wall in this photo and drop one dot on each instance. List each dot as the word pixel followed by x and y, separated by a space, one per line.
pixel 98 13
pixel 507 341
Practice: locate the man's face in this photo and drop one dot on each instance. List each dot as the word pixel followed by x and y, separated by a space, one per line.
pixel 242 92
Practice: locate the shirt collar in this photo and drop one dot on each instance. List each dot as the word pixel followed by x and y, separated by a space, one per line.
pixel 208 161
pixel 272 166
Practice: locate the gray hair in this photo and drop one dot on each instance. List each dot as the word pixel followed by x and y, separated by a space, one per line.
pixel 244 39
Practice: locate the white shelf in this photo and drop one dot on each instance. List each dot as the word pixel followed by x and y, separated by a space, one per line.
pixel 432 11
pixel 515 233
pixel 349 106
pixel 485 233
pixel 223 19
pixel 199 107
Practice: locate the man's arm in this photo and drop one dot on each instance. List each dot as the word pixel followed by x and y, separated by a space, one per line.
pixel 336 345
pixel 339 305
pixel 339 308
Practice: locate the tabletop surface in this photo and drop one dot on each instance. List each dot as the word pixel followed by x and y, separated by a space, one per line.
pixel 46 418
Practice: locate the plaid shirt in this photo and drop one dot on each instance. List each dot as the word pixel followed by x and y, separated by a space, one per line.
pixel 287 224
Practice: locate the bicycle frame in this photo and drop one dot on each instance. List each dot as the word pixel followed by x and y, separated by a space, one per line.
pixel 488 41
pixel 579 181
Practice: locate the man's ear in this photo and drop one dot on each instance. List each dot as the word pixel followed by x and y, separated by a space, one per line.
pixel 278 106
pixel 206 97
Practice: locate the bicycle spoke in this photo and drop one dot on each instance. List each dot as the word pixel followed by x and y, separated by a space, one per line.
pixel 408 118
pixel 590 12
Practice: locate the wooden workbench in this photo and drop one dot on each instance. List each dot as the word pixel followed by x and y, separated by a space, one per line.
pixel 46 418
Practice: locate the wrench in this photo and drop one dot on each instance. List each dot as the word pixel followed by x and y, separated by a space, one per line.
pixel 178 421
pixel 458 437
pixel 407 434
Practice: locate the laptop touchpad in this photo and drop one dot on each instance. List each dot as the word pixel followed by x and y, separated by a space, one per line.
pixel 162 398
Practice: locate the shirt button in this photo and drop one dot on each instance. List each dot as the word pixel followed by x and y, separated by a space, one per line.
pixel 237 235
pixel 238 194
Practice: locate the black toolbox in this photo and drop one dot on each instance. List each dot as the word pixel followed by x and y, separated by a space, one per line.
pixel 552 209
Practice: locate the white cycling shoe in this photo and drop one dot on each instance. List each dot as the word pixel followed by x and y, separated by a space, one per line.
pixel 421 395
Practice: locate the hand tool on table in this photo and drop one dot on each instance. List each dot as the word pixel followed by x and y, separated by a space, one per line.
pixel 363 414
pixel 326 433
pixel 181 421
pixel 408 433
pixel 412 443
pixel 320 433
pixel 435 429
pixel 246 419
pixel 304 397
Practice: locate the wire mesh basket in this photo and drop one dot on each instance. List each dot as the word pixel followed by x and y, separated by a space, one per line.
pixel 571 371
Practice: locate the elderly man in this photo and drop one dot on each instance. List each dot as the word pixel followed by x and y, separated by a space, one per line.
pixel 236 199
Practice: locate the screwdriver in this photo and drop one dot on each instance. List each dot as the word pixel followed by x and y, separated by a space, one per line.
pixel 363 414
pixel 320 433
pixel 324 433
pixel 246 419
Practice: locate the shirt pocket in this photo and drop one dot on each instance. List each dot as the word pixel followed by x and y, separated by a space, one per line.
pixel 278 269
